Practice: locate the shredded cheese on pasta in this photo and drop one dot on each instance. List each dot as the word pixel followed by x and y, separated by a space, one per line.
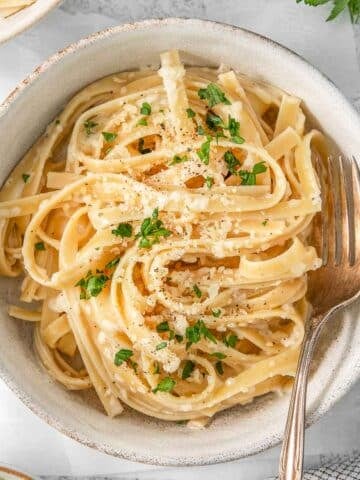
pixel 161 225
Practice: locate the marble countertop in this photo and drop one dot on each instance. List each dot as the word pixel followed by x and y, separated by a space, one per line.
pixel 26 441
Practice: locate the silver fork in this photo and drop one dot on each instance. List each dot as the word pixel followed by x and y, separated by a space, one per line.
pixel 336 235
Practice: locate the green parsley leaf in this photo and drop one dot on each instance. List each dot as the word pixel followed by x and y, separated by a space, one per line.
pixel 195 332
pixel 232 162
pixel 91 285
pixel 109 136
pixel 219 355
pixel 122 230
pixel 112 264
pixel 160 346
pixel 338 7
pixel 122 356
pixel 177 159
pixel 216 313
pixel 25 177
pixel 200 130
pixel 141 148
pixel 190 113
pixel 204 152
pixel 57 121
pixel 264 223
pixel 188 369
pixel 156 368
pixel 143 122
pixel 179 338
pixel 163 327
pixel 151 230
pixel 213 121
pixel 231 340
pixel 89 126
pixel 249 178
pixel 145 109
pixel 39 246
pixel 234 129
pixel 165 385
pixel 197 291
pixel 213 94
pixel 209 181
pixel 219 367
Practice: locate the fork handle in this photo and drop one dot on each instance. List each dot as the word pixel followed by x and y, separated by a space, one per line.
pixel 292 453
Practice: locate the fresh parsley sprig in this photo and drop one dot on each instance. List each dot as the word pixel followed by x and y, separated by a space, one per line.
pixel 338 7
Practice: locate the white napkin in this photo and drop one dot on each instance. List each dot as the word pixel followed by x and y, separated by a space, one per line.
pixel 26 441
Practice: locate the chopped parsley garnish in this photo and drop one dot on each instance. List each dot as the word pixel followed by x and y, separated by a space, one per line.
pixel 213 94
pixel 122 230
pixel 156 368
pixel 204 152
pixel 145 109
pixel 112 264
pixel 141 148
pixel 143 122
pixel 197 291
pixel 163 327
pixel 234 128
pixel 109 136
pixel 190 113
pixel 171 334
pixel 160 346
pixel 179 338
pixel 264 223
pixel 214 121
pixel 219 367
pixel 209 181
pixel 195 332
pixel 165 385
pixel 25 177
pixel 188 369
pixel 39 246
pixel 200 130
pixel 249 178
pixel 57 121
pixel 122 356
pixel 231 340
pixel 91 285
pixel 216 312
pixel 177 159
pixel 151 230
pixel 219 355
pixel 232 162
pixel 89 126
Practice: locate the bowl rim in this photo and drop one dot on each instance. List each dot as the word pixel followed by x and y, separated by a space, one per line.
pixel 15 29
pixel 131 454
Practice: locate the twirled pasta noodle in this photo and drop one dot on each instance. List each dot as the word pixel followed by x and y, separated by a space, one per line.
pixel 211 313
pixel 9 7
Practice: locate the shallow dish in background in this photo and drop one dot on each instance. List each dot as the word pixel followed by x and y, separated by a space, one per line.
pixel 241 430
pixel 25 18
pixel 9 473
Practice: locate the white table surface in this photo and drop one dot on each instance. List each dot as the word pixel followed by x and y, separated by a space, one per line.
pixel 26 441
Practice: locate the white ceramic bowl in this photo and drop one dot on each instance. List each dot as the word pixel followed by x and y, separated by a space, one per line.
pixel 24 115
pixel 25 18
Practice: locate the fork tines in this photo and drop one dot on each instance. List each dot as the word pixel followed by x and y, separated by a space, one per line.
pixel 340 190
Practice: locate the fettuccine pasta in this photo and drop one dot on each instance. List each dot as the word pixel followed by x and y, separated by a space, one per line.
pixel 9 7
pixel 161 225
